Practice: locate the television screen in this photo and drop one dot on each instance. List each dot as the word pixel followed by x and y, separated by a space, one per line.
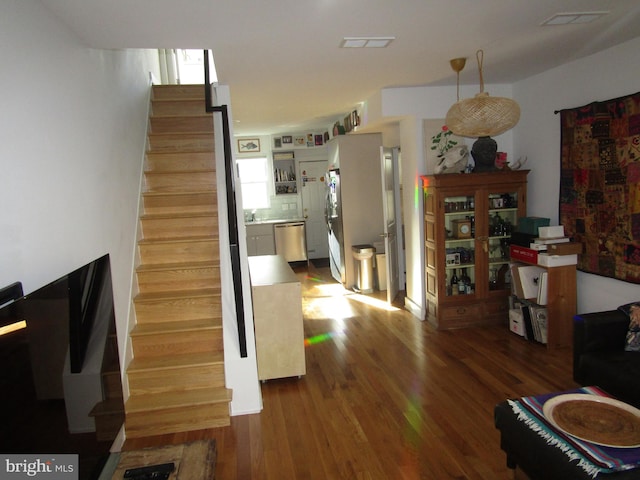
pixel 61 312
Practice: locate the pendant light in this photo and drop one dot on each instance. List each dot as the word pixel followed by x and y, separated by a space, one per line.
pixel 482 115
pixel 457 64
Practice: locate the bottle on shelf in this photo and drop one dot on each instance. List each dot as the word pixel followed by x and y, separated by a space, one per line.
pixel 462 289
pixel 465 281
pixel 455 284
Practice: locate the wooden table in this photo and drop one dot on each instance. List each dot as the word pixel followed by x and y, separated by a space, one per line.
pixel 193 461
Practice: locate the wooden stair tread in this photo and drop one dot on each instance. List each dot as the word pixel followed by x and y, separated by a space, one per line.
pixel 160 267
pixel 179 115
pixel 178 172
pixel 196 238
pixel 174 193
pixel 179 99
pixel 171 216
pixel 182 398
pixel 185 360
pixel 107 407
pixel 154 328
pixel 180 134
pixel 178 294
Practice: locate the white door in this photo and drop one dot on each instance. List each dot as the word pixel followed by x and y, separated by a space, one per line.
pixel 313 198
pixel 389 165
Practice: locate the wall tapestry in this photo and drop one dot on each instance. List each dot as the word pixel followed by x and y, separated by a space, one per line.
pixel 600 185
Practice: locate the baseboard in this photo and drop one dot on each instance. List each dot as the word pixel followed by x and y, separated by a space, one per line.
pixel 415 309
pixel 109 467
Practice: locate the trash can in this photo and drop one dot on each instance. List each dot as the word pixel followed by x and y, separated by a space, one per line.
pixel 363 254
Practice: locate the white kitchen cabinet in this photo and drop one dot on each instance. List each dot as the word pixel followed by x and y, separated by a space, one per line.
pixel 260 239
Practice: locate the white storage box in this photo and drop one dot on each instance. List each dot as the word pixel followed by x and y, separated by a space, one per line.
pixel 516 322
pixel 557 260
pixel 554 231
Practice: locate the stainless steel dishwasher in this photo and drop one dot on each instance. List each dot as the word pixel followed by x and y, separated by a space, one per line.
pixel 291 241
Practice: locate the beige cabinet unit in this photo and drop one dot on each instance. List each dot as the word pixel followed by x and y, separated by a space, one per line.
pixel 277 313
pixel 260 239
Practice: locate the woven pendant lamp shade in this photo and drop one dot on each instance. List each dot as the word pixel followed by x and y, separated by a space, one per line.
pixel 482 115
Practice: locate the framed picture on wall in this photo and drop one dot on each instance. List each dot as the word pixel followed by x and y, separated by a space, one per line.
pixel 248 145
pixel 277 142
pixel 287 139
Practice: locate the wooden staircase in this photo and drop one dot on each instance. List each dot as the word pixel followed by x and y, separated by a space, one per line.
pixel 109 413
pixel 176 378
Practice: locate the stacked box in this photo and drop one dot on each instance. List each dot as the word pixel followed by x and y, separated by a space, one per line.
pixel 530 225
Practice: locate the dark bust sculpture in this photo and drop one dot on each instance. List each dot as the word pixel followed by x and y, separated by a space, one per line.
pixel 484 152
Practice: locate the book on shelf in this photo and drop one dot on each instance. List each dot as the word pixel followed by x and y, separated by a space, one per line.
pixel 569 248
pixel 534 318
pixel 539 319
pixel 542 288
pixel 540 247
pixel 516 286
pixel 523 254
pixel 528 324
pixel 547 241
pixel 529 276
pixel 522 239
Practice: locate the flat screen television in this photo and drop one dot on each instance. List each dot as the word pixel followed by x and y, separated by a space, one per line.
pixel 75 296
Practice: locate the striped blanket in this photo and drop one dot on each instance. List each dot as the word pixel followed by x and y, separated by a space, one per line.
pixel 593 459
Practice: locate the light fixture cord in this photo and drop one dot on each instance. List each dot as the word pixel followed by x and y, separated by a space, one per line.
pixel 480 58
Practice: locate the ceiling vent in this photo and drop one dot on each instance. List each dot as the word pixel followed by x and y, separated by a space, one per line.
pixel 573 18
pixel 366 42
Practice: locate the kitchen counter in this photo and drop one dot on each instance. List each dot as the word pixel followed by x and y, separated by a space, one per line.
pixel 270 270
pixel 277 314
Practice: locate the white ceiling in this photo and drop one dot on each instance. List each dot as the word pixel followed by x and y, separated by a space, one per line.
pixel 282 61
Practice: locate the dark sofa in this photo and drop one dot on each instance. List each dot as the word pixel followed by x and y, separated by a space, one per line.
pixel 599 356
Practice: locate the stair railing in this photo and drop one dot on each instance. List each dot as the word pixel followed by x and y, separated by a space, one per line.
pixel 231 206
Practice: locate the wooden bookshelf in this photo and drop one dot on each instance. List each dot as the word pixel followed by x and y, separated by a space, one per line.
pixel 561 304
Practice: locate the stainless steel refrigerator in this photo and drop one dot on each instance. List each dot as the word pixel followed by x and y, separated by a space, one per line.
pixel 354 200
pixel 333 214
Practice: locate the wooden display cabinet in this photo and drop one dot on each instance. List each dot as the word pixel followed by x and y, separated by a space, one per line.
pixel 468 221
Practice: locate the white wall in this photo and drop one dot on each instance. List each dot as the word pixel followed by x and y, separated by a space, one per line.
pixel 72 136
pixel 241 374
pixel 609 74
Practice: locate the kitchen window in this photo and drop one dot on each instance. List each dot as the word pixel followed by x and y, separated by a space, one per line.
pixel 254 176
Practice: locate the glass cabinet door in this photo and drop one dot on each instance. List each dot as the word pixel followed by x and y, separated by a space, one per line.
pixel 503 217
pixel 459 222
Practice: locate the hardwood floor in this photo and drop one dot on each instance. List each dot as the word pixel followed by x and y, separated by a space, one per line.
pixel 385 397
